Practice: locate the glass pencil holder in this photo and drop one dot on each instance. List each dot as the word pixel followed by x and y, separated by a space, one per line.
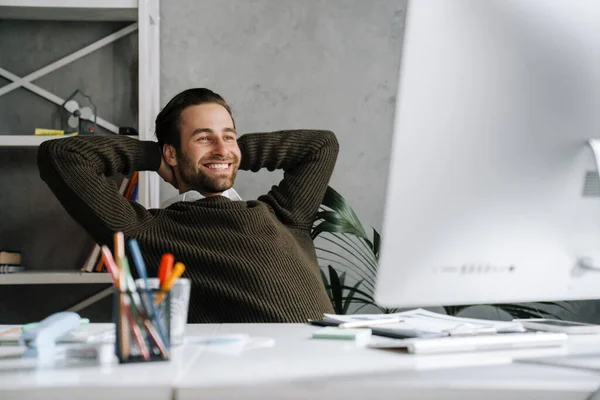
pixel 142 325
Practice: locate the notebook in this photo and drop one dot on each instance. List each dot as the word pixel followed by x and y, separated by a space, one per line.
pixel 461 344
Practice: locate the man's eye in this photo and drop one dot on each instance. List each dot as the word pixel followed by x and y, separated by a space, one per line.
pixel 203 139
pixel 230 138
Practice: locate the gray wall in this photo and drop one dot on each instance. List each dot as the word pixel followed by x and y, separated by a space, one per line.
pixel 328 64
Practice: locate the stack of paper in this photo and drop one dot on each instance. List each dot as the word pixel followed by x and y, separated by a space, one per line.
pixel 426 322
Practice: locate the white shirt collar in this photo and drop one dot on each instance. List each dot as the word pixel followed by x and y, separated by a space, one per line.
pixel 193 195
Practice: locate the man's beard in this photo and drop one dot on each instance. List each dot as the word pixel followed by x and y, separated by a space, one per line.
pixel 193 177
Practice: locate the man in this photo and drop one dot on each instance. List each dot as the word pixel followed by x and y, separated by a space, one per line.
pixel 251 261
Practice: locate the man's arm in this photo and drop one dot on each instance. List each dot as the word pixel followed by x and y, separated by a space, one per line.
pixel 307 158
pixel 76 170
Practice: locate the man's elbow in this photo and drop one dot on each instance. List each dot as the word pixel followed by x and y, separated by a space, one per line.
pixel 331 142
pixel 45 154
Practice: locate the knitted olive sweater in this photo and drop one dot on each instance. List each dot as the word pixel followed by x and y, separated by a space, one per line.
pixel 249 261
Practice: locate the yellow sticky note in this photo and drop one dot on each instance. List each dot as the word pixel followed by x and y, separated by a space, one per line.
pixel 49 132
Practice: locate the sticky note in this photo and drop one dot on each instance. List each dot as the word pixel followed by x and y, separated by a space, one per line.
pixel 362 336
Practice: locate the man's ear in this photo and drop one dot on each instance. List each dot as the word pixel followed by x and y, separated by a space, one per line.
pixel 170 154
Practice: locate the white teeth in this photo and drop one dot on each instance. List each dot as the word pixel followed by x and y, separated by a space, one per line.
pixel 217 166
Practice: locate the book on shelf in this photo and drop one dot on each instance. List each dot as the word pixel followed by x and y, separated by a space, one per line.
pixel 128 189
pixel 10 257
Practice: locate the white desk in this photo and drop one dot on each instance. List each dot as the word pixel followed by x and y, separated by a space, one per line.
pixel 298 367
pixel 152 381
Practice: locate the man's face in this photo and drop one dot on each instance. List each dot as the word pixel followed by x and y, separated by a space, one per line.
pixel 209 155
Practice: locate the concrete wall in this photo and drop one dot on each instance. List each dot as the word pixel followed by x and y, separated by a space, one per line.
pixel 328 64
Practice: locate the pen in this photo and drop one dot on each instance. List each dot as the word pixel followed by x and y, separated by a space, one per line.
pixel 11 330
pixel 119 243
pixel 152 312
pixel 123 326
pixel 165 268
pixel 111 265
pixel 320 322
pixel 371 322
pixel 177 272
pixel 137 334
pixel 124 301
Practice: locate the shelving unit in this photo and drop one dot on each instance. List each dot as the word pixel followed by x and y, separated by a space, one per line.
pixel 70 10
pixel 29 140
pixel 53 278
pixel 144 15
pixel 25 140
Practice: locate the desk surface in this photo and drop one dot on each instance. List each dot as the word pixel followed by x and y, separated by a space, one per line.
pixel 282 358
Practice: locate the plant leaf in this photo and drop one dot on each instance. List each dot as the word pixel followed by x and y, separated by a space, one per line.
pixel 376 243
pixel 342 279
pixel 326 283
pixel 453 310
pixel 564 305
pixel 340 227
pixel 350 295
pixel 362 293
pixel 336 290
pixel 521 311
pixel 340 217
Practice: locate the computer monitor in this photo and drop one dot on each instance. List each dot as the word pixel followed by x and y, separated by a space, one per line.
pixel 493 193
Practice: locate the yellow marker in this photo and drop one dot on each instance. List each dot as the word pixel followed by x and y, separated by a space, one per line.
pixel 178 270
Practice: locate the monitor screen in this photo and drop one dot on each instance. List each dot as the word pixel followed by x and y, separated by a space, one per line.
pixel 493 192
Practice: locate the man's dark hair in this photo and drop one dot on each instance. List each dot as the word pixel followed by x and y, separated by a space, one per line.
pixel 167 121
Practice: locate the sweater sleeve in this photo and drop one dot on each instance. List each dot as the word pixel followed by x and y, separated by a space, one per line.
pixel 307 158
pixel 76 170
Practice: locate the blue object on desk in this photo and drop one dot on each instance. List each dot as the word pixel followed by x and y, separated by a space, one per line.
pixel 143 273
pixel 40 341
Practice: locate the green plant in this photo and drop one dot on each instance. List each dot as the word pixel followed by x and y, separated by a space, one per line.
pixel 356 255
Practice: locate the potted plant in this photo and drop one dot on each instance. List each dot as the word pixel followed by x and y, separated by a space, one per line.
pixel 345 249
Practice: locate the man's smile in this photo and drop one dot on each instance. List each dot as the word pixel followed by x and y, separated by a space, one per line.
pixel 218 166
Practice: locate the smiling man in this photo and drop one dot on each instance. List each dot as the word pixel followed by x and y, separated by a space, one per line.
pixel 249 261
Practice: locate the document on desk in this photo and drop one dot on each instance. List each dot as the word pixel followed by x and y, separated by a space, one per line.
pixel 423 321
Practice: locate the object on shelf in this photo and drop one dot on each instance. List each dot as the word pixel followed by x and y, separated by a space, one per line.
pixel 128 131
pixel 48 132
pixel 81 119
pixel 11 268
pixel 10 257
pixel 63 277
pixel 129 190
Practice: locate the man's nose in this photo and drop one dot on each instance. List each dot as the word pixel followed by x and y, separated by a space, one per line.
pixel 219 147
